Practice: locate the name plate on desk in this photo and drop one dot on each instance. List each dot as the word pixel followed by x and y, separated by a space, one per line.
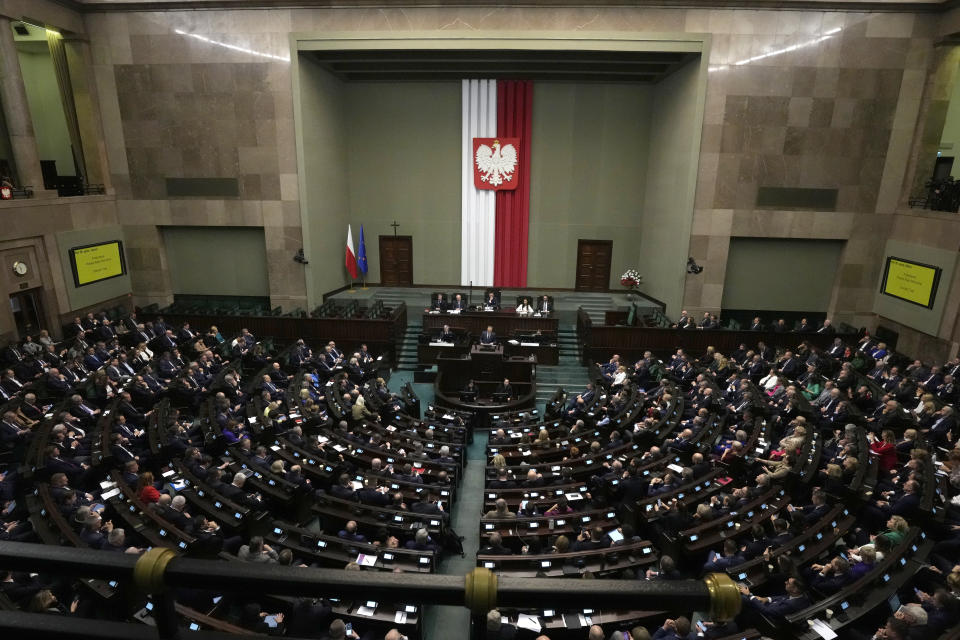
pixel 529 344
pixel 453 311
pixel 442 344
pixel 488 309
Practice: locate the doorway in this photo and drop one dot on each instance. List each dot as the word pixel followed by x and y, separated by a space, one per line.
pixel 593 265
pixel 27 308
pixel 396 261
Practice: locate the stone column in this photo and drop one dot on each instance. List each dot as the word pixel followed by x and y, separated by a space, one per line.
pixel 16 110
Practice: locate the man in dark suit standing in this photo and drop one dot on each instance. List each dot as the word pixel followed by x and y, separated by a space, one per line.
pixel 488 336
pixel 506 388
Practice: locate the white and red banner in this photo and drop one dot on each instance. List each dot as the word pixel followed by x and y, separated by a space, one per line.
pixel 495 163
pixel 497 125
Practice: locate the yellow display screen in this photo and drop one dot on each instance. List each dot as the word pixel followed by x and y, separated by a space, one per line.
pixel 95 262
pixel 911 281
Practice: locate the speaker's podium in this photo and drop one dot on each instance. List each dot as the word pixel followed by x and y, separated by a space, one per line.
pixel 487 367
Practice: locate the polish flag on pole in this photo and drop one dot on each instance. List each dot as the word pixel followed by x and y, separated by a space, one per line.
pixel 351 258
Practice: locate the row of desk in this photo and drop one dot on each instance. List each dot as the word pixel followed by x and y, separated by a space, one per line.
pixel 517 334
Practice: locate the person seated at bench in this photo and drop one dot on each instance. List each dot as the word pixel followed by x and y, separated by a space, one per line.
pixel 491 304
pixel 775 607
pixel 438 304
pixel 494 546
pixel 446 334
pixel 505 389
pixel 525 309
pixel 502 510
pixel 582 401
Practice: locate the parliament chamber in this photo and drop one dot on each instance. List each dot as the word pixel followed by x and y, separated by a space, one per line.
pixel 475 320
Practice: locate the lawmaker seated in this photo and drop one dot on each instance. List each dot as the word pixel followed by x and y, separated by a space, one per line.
pixel 524 308
pixel 458 304
pixel 446 334
pixel 491 302
pixel 504 391
pixel 488 336
pixel 545 305
pixel 438 304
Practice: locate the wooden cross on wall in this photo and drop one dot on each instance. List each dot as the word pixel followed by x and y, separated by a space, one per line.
pixel 394 225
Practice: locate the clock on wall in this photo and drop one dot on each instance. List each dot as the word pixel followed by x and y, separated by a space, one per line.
pixel 20 268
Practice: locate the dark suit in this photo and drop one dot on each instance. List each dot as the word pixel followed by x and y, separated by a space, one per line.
pixel 488 337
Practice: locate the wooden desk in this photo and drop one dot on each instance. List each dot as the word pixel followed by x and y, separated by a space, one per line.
pixel 429 353
pixel 504 323
pixel 546 352
pixel 487 369
pixel 601 341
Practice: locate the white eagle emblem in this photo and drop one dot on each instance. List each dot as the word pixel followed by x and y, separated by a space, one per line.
pixel 497 164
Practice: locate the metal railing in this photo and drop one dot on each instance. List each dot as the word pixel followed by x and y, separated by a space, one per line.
pixel 158 570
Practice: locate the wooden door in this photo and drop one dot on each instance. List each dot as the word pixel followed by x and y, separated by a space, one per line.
pixel 593 265
pixel 396 261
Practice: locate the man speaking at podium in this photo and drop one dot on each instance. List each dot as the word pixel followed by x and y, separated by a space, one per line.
pixel 505 389
pixel 488 336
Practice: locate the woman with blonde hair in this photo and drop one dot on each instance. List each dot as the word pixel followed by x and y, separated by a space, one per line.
pixel 620 376
pixel 499 462
pixel 561 544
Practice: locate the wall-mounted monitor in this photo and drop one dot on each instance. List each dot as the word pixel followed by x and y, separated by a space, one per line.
pixel 910 281
pixel 97 262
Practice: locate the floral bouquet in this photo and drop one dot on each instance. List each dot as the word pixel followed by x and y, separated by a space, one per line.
pixel 630 278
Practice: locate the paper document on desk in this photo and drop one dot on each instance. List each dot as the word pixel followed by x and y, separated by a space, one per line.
pixel 823 629
pixel 513 342
pixel 400 617
pixel 573 496
pixel 675 468
pixel 365 611
pixel 526 621
pixel 365 560
pixel 339 448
